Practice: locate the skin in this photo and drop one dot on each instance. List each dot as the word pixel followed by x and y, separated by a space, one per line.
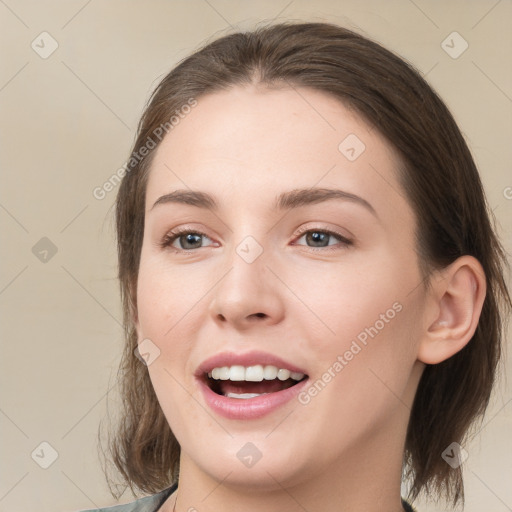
pixel 303 302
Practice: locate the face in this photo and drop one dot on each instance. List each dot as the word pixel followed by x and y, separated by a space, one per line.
pixel 323 282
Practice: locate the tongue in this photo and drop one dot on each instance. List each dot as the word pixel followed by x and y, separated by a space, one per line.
pixel 265 386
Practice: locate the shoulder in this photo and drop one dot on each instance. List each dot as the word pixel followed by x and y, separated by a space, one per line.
pixel 146 504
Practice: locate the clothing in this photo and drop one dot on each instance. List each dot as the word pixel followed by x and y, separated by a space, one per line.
pixel 153 503
pixel 147 504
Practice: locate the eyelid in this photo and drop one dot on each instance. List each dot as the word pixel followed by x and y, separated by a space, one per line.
pixel 171 236
pixel 344 240
pixel 333 231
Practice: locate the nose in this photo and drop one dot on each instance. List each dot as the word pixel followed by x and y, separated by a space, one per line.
pixel 248 295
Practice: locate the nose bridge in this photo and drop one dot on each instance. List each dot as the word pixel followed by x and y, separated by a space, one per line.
pixel 248 291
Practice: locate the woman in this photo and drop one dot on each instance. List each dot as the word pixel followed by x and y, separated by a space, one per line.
pixel 313 291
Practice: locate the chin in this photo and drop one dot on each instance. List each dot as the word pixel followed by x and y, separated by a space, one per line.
pixel 257 466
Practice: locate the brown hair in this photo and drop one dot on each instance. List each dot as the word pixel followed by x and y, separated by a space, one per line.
pixel 440 181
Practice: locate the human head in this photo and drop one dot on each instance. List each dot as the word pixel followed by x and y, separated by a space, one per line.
pixel 438 178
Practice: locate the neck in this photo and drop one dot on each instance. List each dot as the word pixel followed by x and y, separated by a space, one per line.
pixel 364 479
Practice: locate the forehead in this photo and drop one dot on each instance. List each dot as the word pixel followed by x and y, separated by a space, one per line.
pixel 248 143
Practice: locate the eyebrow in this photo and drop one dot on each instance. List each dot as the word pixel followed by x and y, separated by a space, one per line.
pixel 285 201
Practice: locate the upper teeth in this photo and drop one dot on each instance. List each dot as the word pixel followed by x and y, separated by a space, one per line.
pixel 255 373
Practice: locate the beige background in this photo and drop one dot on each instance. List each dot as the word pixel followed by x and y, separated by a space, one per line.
pixel 67 124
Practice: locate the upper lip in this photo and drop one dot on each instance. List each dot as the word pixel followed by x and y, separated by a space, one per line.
pixel 246 359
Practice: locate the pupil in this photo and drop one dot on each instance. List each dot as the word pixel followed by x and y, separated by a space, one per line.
pixel 319 238
pixel 191 238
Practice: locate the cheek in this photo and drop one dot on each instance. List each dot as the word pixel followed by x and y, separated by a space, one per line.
pixel 361 380
pixel 343 299
pixel 363 327
pixel 166 295
pixel 165 303
pixel 364 366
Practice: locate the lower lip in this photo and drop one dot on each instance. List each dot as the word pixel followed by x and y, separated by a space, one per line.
pixel 249 408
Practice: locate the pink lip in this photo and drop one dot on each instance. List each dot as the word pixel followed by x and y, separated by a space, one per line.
pixel 250 408
pixel 248 359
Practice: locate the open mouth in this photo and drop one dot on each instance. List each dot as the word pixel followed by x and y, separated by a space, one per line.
pixel 250 382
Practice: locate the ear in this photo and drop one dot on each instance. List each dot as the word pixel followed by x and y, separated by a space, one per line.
pixel 454 308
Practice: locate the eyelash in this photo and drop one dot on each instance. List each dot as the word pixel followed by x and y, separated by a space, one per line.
pixel 170 237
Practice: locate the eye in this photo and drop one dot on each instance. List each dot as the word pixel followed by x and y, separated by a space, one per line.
pixel 186 239
pixel 319 238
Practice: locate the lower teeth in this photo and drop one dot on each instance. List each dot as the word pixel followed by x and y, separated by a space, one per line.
pixel 244 395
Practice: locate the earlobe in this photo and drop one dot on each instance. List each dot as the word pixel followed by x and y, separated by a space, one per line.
pixel 457 298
